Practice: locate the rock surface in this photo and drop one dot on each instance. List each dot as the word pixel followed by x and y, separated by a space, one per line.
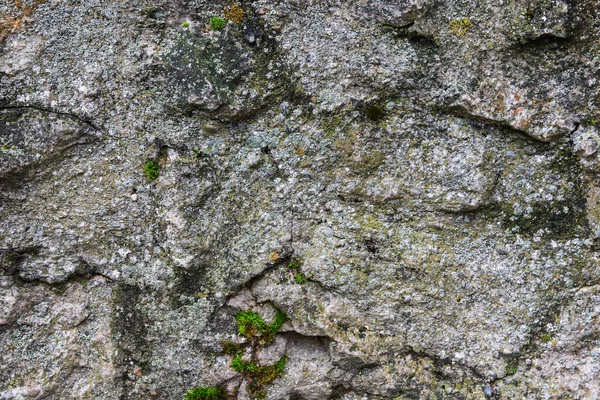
pixel 432 166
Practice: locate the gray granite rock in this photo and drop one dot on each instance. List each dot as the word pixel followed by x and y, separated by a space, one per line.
pixel 431 167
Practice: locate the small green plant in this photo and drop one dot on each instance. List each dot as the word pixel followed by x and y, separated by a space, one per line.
pixel 300 278
pixel 511 367
pixel 205 393
pixel 294 265
pixel 252 326
pixel 275 326
pixel 217 23
pixel 249 323
pixel 258 375
pixel 185 24
pixel 546 337
pixel 151 169
pixel 460 27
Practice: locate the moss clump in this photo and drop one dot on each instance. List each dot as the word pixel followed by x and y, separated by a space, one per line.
pixel 300 278
pixel 253 327
pixel 275 326
pixel 234 14
pixel 205 393
pixel 151 169
pixel 217 23
pixel 511 367
pixel 294 265
pixel 249 323
pixel 242 366
pixel 460 27
pixel 231 348
pixel 546 337
pixel 258 375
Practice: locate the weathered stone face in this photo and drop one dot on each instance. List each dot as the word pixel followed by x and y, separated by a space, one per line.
pixel 395 13
pixel 224 77
pixel 414 183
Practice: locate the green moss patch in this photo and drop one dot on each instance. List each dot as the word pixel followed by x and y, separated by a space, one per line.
pixel 294 267
pixel 512 367
pixel 546 337
pixel 252 326
pixel 151 170
pixel 258 375
pixel 300 278
pixel 205 393
pixel 249 323
pixel 217 23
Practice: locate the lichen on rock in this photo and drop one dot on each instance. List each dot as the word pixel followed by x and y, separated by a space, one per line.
pixel 412 184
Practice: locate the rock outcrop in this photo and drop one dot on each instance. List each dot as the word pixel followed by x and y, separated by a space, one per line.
pixel 415 183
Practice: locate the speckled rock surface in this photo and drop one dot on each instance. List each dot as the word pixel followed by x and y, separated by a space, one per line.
pixel 431 166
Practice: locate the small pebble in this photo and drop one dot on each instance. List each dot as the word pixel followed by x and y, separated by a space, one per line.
pixel 134 197
pixel 487 390
pixel 502 250
pixel 284 107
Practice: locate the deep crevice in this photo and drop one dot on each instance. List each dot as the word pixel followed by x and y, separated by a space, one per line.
pixel 50 111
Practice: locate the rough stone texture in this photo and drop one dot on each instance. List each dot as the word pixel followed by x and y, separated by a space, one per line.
pixel 432 165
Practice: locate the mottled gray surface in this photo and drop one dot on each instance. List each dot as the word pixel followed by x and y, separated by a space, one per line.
pixel 432 164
